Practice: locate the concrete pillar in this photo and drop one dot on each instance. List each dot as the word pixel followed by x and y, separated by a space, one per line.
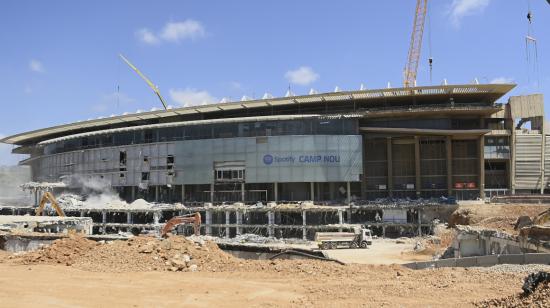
pixel 275 191
pixel 512 184
pixel 156 219
pixel 227 221
pixel 208 223
pixel 349 215
pixel 419 222
pixel 332 190
pixel 157 193
pixel 104 221
pixel 348 191
pixel 542 150
pixel 129 218
pixel 417 183
pixel 304 230
pixel 390 166
pixel 82 214
pixel 132 193
pixel 449 152
pixel 384 231
pixel 212 193
pixel 340 219
pixel 312 191
pixel 239 220
pixel 243 197
pixel 482 167
pixel 182 193
pixel 271 223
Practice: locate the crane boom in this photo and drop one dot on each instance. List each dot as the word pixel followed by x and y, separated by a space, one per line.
pixel 409 78
pixel 151 85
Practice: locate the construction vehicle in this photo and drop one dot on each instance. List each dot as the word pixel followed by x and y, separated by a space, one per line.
pixel 48 197
pixel 413 58
pixel 194 219
pixel 360 237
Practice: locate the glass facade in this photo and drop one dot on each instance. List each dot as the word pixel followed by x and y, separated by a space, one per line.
pixel 208 131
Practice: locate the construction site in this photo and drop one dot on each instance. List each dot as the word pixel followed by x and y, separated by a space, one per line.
pixel 434 195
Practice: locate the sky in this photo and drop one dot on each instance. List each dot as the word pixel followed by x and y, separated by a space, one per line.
pixel 59 60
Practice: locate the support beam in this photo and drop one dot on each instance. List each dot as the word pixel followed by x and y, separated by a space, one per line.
pixel 390 166
pixel 243 193
pixel 542 150
pixel 133 193
pixel 419 222
pixel 208 223
pixel 271 223
pixel 239 221
pixel 482 167
pixel 182 193
pixel 348 191
pixel 364 175
pixel 157 193
pixel 304 230
pixel 449 152
pixel 276 191
pixel 212 193
pixel 417 165
pixel 129 218
pixel 312 191
pixel 227 223
pixel 340 219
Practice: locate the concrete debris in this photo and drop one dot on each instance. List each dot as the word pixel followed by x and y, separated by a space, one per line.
pixel 33 186
pixel 107 201
pixel 404 202
pixel 515 268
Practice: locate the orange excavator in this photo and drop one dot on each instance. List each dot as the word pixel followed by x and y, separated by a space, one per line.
pixel 194 219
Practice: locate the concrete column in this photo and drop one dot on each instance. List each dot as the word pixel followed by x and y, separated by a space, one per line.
pixel 243 197
pixel 390 166
pixel 276 191
pixel 312 191
pixel 182 193
pixel 348 191
pixel 271 223
pixel 133 193
pixel 417 165
pixel 208 223
pixel 419 222
pixel 212 193
pixel 349 215
pixel 512 158
pixel 332 190
pixel 156 218
pixel 227 222
pixel 157 193
pixel 449 152
pixel 129 218
pixel 482 167
pixel 304 230
pixel 340 219
pixel 104 221
pixel 82 214
pixel 384 231
pixel 542 150
pixel 239 220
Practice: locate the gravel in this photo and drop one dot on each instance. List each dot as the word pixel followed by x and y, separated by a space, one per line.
pixel 515 268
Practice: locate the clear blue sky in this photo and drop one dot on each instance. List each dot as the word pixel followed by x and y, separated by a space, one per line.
pixel 59 59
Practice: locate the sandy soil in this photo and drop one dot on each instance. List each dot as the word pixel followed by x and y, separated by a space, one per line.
pixel 382 251
pixel 390 286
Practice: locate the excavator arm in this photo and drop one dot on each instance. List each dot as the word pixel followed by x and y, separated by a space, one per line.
pixel 194 219
pixel 48 197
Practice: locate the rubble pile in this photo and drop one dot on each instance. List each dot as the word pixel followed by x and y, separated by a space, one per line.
pixel 140 254
pixel 539 298
pixel 403 202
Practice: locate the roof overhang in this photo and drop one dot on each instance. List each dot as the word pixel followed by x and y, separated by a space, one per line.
pixel 490 92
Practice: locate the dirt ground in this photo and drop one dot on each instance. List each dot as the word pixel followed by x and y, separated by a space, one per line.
pixel 378 286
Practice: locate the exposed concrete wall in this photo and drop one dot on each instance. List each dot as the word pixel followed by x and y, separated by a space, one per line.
pixel 483 261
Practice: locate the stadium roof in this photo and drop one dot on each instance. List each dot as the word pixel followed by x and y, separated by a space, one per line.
pixel 487 92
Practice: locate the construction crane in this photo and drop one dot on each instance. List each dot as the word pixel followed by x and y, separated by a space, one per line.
pixel 151 85
pixel 411 69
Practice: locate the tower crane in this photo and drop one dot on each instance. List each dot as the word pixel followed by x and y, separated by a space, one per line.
pixel 411 69
pixel 149 83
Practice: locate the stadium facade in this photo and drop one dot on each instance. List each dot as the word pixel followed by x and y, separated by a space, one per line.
pixel 452 140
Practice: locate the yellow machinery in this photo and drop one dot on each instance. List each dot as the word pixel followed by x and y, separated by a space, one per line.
pixel 149 83
pixel 48 197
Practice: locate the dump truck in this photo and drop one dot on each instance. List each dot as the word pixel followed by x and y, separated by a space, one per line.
pixel 359 237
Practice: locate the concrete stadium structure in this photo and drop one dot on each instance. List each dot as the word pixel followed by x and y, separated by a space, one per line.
pixel 452 140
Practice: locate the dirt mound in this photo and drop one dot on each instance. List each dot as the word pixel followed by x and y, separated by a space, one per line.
pixel 462 216
pixel 62 251
pixel 176 253
pixel 539 298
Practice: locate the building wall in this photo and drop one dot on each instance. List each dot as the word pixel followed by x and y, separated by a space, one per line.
pixel 319 158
